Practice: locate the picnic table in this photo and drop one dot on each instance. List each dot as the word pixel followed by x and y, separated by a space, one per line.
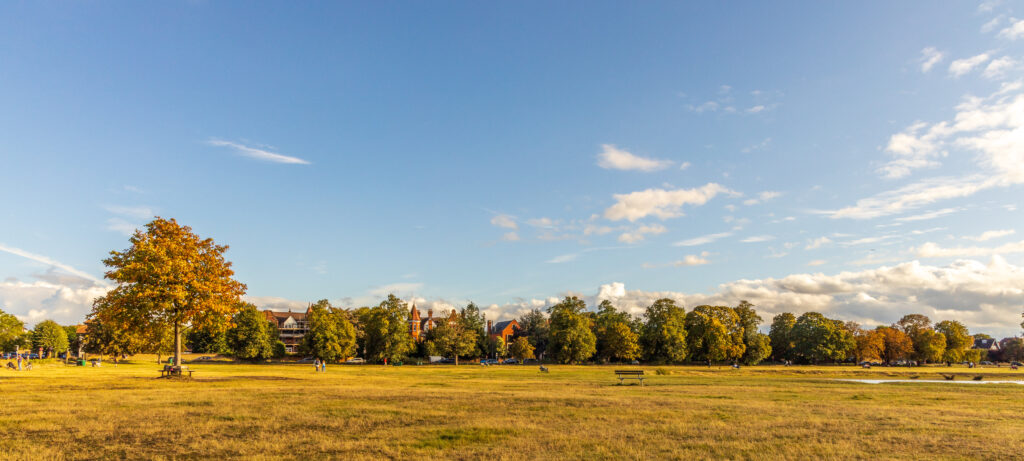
pixel 630 374
pixel 171 370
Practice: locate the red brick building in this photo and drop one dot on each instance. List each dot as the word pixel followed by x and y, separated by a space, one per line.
pixel 503 330
pixel 291 326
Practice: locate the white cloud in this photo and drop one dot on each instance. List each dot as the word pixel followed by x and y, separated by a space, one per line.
pixel 763 197
pixel 933 250
pixel 915 195
pixel 989 5
pixel 661 203
pixel 1015 31
pixel 992 234
pixel 684 165
pixel 962 66
pixel 256 153
pixel 53 263
pixel 398 289
pixel 692 260
pixel 276 303
pixel 504 221
pixel 613 158
pixel 510 237
pixel 818 243
pixel 639 233
pixel 541 222
pixel 817 262
pixel 702 240
pixel 758 239
pixel 593 229
pixel 986 298
pixel 929 215
pixel 709 106
pixel 756 109
pixel 929 58
pixel 563 258
pixel 999 67
pixel 33 302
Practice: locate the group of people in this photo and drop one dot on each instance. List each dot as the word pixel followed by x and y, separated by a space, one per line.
pixel 23 364
pixel 319 365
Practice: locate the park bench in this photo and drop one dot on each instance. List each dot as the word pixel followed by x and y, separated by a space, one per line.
pixel 630 374
pixel 171 370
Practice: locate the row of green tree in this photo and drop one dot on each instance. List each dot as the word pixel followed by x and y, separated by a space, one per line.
pixel 48 336
pixel 814 338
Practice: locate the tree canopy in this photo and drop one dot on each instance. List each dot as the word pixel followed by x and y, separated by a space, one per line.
pixel 167 279
pixel 663 334
pixel 250 336
pixel 571 339
pixel 50 336
pixel 386 330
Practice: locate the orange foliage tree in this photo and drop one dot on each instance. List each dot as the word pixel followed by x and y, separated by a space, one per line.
pixel 169 278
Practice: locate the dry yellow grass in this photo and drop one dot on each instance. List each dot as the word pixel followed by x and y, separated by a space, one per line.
pixel 504 412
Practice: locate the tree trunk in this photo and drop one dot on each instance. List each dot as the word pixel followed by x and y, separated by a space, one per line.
pixel 456 359
pixel 177 344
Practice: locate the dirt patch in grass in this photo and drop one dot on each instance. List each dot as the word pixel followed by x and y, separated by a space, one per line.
pixel 213 379
pixel 450 438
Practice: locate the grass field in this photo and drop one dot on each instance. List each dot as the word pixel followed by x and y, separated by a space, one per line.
pixel 504 412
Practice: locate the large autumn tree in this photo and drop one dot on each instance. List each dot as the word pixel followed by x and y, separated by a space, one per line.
pixel 168 279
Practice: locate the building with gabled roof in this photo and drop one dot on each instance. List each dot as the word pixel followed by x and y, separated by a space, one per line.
pixel 291 327
pixel 504 329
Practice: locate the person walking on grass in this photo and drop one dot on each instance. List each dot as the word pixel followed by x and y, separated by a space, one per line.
pixel 19 362
pixel 316 365
pixel 323 366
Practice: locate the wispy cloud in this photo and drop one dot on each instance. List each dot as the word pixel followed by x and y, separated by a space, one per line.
pixel 934 250
pixel 1015 31
pixel 50 262
pixel 662 203
pixel 563 258
pixel 257 153
pixel 758 239
pixel 505 221
pixel 818 243
pixel 754 147
pixel 992 234
pixel 138 212
pixel 613 158
pixel 817 262
pixel 929 215
pixel 510 237
pixel 929 58
pixel 638 234
pixel 693 260
pixel 963 66
pixel 762 197
pixel 702 240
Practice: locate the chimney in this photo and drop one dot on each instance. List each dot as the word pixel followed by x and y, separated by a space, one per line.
pixel 489 328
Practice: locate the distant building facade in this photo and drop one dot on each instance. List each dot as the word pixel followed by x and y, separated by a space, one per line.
pixel 504 330
pixel 986 344
pixel 291 327
pixel 419 326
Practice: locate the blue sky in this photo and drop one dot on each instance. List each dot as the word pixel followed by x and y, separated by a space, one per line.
pixel 863 160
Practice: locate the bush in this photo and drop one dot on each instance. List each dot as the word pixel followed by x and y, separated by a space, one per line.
pixel 279 350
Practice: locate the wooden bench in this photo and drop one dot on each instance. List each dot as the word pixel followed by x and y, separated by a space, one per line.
pixel 630 374
pixel 170 370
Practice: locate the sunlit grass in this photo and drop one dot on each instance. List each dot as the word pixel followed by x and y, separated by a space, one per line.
pixel 504 412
